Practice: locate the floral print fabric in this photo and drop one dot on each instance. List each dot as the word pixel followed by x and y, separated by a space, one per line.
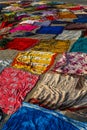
pixel 14 85
pixel 34 61
pixel 72 63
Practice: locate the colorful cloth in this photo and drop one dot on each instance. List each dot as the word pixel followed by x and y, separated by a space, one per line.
pixel 34 61
pixel 79 46
pixel 50 30
pixel 34 117
pixel 58 46
pixel 81 20
pixel 23 27
pixel 21 43
pixel 14 85
pixel 58 91
pixel 69 35
pixel 64 15
pixel 72 63
pixel 76 26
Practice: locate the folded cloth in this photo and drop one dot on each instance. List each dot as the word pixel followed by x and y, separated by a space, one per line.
pixel 60 92
pixel 72 63
pixel 79 46
pixel 57 46
pixel 34 117
pixel 14 85
pixel 21 43
pixel 50 30
pixel 76 26
pixel 69 35
pixel 34 61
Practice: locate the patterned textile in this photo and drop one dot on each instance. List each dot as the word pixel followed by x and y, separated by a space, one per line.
pixel 58 91
pixel 81 20
pixel 36 118
pixel 72 63
pixel 34 61
pixel 21 43
pixel 50 30
pixel 62 15
pixel 80 46
pixel 14 85
pixel 58 46
pixel 69 35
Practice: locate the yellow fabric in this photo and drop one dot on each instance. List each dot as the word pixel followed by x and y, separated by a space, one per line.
pixel 66 14
pixel 34 61
pixel 57 46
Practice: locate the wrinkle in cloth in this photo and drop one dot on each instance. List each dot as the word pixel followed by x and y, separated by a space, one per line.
pixel 76 26
pixel 14 85
pixel 80 45
pixel 21 43
pixel 36 118
pixel 60 92
pixel 57 46
pixel 50 30
pixel 36 62
pixel 72 63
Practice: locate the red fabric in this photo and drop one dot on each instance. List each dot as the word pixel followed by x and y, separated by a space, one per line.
pixel 14 85
pixel 76 8
pixel 5 24
pixel 21 43
pixel 50 18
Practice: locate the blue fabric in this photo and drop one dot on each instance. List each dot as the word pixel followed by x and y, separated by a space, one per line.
pixel 32 117
pixel 50 30
pixel 60 22
pixel 80 20
pixel 79 46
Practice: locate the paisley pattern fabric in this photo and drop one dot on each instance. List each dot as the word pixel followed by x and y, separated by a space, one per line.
pixel 58 46
pixel 72 63
pixel 14 85
pixel 34 117
pixel 58 91
pixel 34 61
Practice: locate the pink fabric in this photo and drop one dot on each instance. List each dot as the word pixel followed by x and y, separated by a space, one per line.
pixel 23 27
pixel 14 85
pixel 72 63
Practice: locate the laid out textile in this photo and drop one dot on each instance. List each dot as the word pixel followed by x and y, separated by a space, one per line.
pixel 72 63
pixel 58 91
pixel 34 61
pixel 81 20
pixel 80 46
pixel 58 46
pixel 76 26
pixel 34 117
pixel 69 35
pixel 23 27
pixel 42 36
pixel 3 42
pixel 14 85
pixel 28 22
pixel 50 30
pixel 67 14
pixel 4 63
pixel 43 23
pixel 8 54
pixel 1 115
pixel 21 43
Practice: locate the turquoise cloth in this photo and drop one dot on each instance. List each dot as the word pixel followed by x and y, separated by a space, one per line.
pixel 32 117
pixel 79 46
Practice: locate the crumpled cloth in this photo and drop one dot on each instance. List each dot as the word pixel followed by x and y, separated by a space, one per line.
pixel 14 85
pixel 36 62
pixel 37 118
